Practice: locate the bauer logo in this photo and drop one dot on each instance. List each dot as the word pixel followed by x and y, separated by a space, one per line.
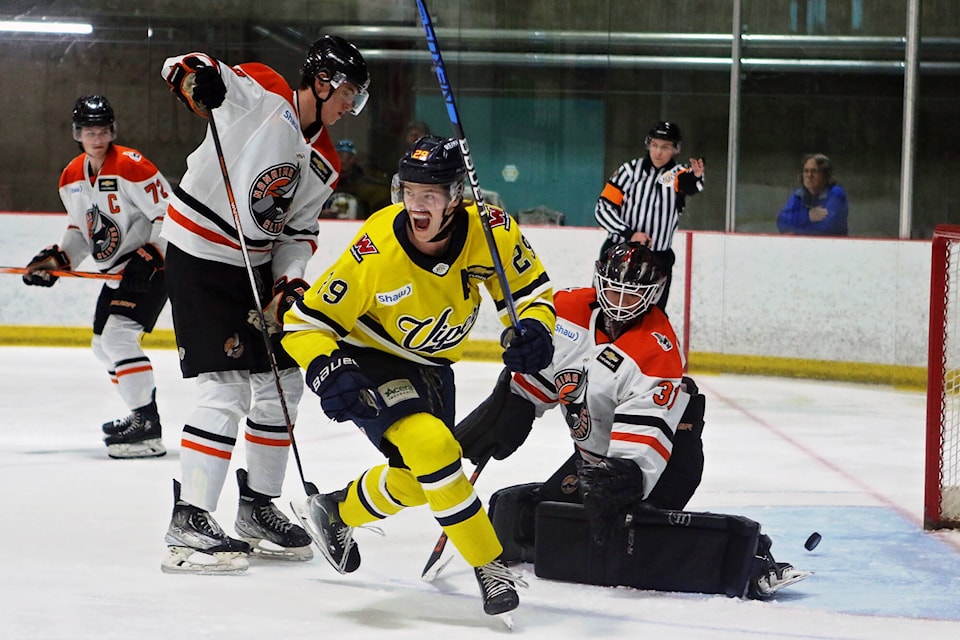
pixel 396 391
pixel 610 359
pixel 393 297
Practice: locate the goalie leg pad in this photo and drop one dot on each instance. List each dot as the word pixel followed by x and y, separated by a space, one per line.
pixel 512 514
pixel 661 550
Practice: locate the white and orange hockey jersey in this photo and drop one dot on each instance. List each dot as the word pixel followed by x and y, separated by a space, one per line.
pixel 111 214
pixel 279 179
pixel 620 398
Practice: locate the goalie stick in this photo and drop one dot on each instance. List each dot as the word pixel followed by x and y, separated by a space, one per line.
pixel 64 273
pixel 309 487
pixel 447 92
pixel 433 567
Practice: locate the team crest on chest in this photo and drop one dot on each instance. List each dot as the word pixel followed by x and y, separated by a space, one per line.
pixel 271 194
pixel 104 234
pixel 571 387
pixel 363 247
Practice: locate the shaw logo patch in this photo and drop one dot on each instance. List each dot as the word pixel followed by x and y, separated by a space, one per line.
pixel 320 167
pixel 663 341
pixel 396 391
pixel 393 297
pixel 563 331
pixel 270 196
pixel 363 247
pixel 610 359
pixel 104 234
pixel 107 184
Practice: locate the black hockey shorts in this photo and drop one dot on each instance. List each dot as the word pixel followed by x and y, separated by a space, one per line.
pixel 212 304
pixel 143 308
pixel 435 394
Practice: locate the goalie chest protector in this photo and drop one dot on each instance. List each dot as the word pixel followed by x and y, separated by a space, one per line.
pixel 660 550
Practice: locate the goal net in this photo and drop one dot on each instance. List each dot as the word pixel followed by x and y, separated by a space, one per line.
pixel 942 475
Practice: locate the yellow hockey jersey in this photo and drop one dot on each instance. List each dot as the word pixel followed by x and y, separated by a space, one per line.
pixel 384 294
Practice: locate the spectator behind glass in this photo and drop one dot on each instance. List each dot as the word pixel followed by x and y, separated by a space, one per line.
pixel 358 193
pixel 819 206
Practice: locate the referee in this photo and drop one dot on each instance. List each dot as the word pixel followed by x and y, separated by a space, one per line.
pixel 643 199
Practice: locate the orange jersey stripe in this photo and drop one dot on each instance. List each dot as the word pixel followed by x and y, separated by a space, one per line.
pixel 210 451
pixel 529 388
pixel 650 441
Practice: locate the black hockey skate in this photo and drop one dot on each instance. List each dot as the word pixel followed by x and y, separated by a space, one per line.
pixel 498 586
pixel 197 544
pixel 266 529
pixel 320 516
pixel 771 576
pixel 136 436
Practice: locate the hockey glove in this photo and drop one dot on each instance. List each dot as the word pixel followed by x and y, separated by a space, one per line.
pixel 499 425
pixel 531 350
pixel 141 268
pixel 51 258
pixel 610 489
pixel 345 393
pixel 285 295
pixel 197 84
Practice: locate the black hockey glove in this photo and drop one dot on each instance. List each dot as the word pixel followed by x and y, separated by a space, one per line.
pixel 285 295
pixel 141 268
pixel 197 84
pixel 610 489
pixel 51 258
pixel 208 87
pixel 345 393
pixel 498 425
pixel 530 351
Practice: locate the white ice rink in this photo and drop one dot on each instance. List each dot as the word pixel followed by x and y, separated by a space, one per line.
pixel 82 535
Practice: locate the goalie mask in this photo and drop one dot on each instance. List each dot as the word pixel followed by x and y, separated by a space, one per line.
pixel 629 279
pixel 334 60
pixel 433 160
pixel 93 111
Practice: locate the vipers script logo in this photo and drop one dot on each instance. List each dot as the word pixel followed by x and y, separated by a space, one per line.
pixel 271 194
pixel 104 234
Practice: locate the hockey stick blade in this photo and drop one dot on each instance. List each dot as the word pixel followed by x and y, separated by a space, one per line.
pixel 433 567
pixel 63 273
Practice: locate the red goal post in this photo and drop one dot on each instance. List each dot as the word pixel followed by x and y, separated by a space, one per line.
pixel 942 475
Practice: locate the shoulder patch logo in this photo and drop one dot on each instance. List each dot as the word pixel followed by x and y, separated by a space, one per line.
pixel 270 196
pixel 498 218
pixel 320 167
pixel 363 247
pixel 107 184
pixel 610 359
pixel 663 341
pixel 133 155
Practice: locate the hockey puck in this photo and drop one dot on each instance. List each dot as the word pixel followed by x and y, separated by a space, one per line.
pixel 812 541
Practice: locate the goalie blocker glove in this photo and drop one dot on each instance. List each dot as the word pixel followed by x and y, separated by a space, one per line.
pixel 51 258
pixel 345 392
pixel 529 351
pixel 141 268
pixel 196 81
pixel 499 425
pixel 609 489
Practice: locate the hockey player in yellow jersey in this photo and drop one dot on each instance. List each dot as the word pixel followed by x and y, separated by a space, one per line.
pixel 377 335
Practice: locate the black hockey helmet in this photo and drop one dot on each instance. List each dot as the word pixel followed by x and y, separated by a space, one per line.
pixel 92 111
pixel 629 279
pixel 664 131
pixel 338 61
pixel 434 160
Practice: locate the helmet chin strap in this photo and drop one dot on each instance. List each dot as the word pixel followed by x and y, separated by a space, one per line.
pixel 446 225
pixel 317 124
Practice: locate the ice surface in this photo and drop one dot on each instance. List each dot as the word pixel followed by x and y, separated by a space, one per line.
pixel 82 535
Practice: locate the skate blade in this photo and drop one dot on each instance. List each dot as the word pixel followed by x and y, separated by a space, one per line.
pixel 506 619
pixel 186 560
pixel 795 576
pixel 266 550
pixel 302 512
pixel 147 449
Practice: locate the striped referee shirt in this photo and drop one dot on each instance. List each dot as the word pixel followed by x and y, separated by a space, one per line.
pixel 640 197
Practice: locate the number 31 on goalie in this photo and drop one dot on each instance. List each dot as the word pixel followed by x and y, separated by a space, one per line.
pixel 666 395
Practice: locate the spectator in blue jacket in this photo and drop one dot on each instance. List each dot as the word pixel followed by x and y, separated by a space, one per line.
pixel 819 207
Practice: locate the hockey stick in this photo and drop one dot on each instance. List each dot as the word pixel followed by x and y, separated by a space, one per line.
pixel 447 92
pixel 433 567
pixel 60 273
pixel 310 488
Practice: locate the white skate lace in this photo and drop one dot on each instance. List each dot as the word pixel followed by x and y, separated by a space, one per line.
pixel 497 579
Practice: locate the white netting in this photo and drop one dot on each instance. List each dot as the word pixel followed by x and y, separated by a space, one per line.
pixel 950 417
